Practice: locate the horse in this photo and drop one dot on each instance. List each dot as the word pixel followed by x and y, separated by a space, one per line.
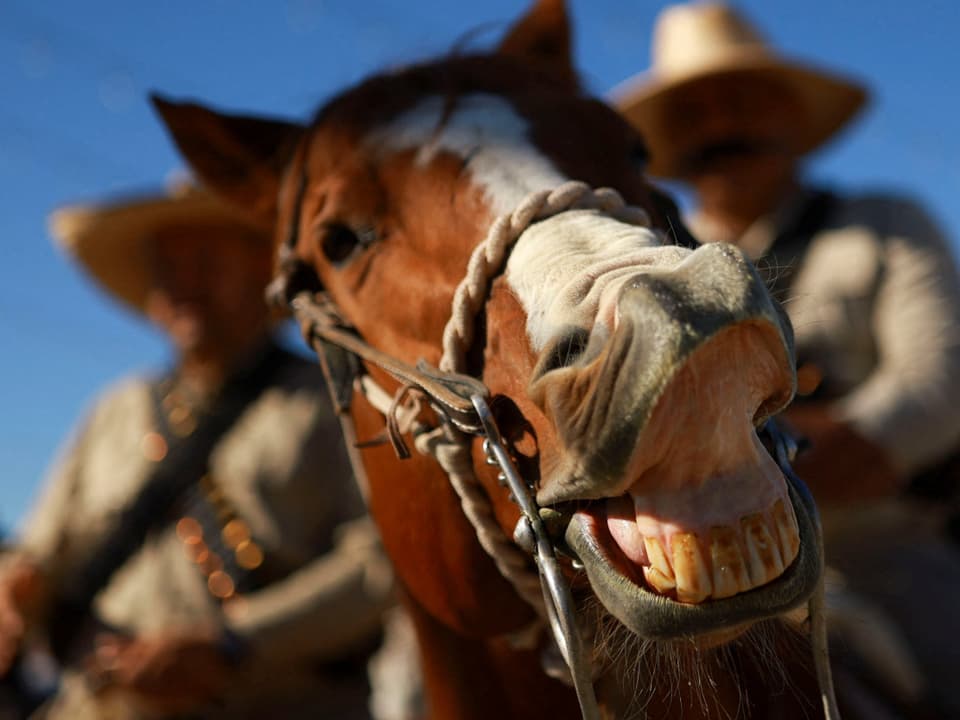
pixel 473 249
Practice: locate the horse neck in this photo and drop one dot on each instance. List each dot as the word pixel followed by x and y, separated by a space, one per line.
pixel 473 678
pixel 433 546
pixel 465 613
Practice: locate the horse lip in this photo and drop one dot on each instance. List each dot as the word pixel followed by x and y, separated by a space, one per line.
pixel 656 617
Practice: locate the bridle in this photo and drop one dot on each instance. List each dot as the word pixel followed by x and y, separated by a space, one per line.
pixel 462 404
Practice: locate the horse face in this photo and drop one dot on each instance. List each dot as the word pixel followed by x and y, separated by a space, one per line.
pixel 630 373
pixel 650 368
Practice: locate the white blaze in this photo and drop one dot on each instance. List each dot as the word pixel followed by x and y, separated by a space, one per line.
pixel 565 270
pixel 485 128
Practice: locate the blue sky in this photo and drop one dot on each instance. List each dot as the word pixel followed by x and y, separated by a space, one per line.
pixel 75 125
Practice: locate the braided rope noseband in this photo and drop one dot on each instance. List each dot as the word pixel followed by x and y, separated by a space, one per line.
pixel 453 450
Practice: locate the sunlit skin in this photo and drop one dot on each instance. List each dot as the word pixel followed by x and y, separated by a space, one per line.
pixel 740 162
pixel 202 299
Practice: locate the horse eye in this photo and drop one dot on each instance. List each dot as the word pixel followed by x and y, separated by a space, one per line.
pixel 338 241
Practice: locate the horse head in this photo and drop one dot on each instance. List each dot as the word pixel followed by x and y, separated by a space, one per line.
pixel 629 370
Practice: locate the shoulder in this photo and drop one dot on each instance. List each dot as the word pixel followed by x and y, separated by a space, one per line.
pixel 889 213
pixel 123 397
pixel 122 404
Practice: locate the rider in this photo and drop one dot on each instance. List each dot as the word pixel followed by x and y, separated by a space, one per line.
pixel 868 281
pixel 201 549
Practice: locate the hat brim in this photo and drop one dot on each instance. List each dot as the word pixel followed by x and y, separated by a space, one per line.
pixel 111 241
pixel 828 102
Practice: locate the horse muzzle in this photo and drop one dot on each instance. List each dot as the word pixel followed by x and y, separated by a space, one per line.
pixel 684 523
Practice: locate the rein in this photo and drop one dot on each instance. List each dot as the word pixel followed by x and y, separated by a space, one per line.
pixel 461 401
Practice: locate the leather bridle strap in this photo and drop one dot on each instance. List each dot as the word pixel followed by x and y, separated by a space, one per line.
pixel 462 401
pixel 451 393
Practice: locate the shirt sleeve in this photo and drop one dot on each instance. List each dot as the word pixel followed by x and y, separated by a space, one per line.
pixel 56 531
pixel 910 404
pixel 44 536
pixel 326 609
pixel 332 604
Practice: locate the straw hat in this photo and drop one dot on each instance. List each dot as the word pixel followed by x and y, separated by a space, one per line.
pixel 111 240
pixel 709 39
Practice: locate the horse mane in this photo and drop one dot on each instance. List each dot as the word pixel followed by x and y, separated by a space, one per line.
pixel 449 76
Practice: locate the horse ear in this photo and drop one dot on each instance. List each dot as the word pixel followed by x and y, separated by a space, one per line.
pixel 543 34
pixel 239 158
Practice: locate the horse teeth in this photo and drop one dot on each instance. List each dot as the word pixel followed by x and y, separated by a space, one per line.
pixel 788 534
pixel 763 555
pixel 658 581
pixel 731 560
pixel 659 574
pixel 693 578
pixel 730 574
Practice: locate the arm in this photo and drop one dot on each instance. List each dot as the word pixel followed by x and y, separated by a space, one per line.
pixel 324 611
pixel 908 406
pixel 44 544
pixel 30 569
pixel 43 540
pixel 335 599
pixel 326 608
pixel 90 480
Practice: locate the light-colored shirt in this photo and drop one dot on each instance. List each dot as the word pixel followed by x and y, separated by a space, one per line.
pixel 875 304
pixel 285 473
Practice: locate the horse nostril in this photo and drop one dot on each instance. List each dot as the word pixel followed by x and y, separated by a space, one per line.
pixel 565 351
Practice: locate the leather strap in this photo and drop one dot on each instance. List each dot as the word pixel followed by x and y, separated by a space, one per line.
pixel 450 392
pixel 151 509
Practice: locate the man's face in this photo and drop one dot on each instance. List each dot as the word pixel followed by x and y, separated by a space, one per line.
pixel 733 124
pixel 208 285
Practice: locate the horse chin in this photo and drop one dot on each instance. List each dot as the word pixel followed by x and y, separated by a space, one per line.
pixel 655 616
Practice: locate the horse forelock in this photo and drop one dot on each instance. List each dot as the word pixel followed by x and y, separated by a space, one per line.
pixel 514 125
pixel 464 109
pixel 382 97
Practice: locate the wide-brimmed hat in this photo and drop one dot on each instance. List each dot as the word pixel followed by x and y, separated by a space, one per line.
pixel 111 240
pixel 709 39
